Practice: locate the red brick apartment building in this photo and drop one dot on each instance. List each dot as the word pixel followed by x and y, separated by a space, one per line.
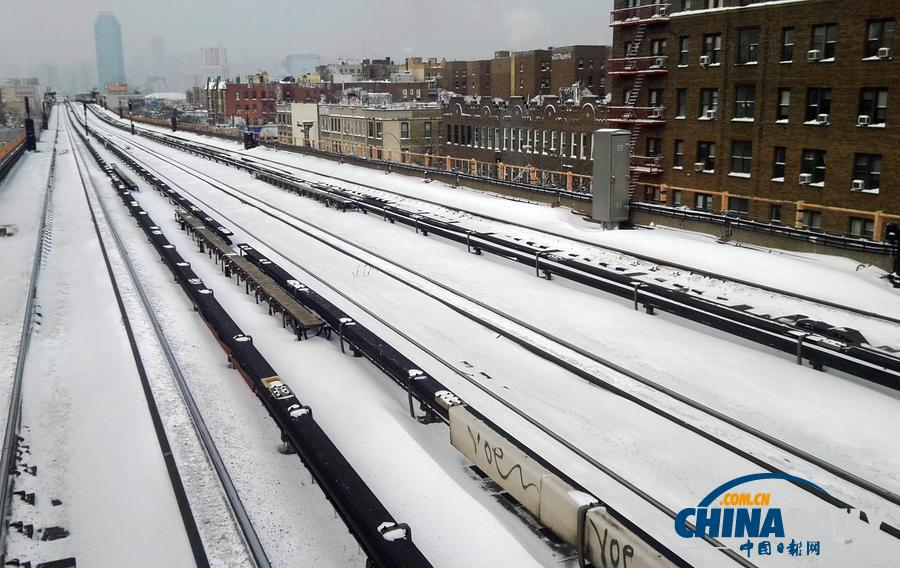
pixel 782 112
pixel 254 101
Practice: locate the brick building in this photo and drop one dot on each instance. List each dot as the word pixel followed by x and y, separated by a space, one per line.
pixel 454 77
pixel 254 101
pixel 382 132
pixel 579 63
pixel 550 135
pixel 501 75
pixel 478 75
pixel 529 73
pixel 778 111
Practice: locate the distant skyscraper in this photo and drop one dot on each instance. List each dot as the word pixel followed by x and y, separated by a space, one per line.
pixel 215 62
pixel 108 43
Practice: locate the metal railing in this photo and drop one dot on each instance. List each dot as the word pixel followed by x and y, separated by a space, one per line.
pixel 786 231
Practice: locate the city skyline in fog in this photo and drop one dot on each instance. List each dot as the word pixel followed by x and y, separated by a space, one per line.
pixel 168 36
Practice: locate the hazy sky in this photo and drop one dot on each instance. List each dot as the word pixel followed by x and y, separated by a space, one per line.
pixel 258 34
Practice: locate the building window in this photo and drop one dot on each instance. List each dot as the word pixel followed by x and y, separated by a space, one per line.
pixel 779 159
pixel 676 197
pixel 741 157
pixel 378 130
pixel 404 130
pixel 818 101
pixel 775 213
pixel 814 165
pixel 709 101
pixel 712 47
pixel 654 146
pixel 873 103
pixel 680 103
pixel 744 101
pixel 706 156
pixel 678 154
pixel 748 45
pixel 867 168
pixel 787 45
pixel 684 43
pixel 824 39
pixel 655 97
pixel 783 111
pixel 812 219
pixel 879 33
pixel 703 201
pixel 739 205
pixel 658 47
pixel 427 127
pixel 861 227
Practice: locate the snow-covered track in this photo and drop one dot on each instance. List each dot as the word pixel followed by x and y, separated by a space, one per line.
pixel 254 548
pixel 386 542
pixel 198 548
pixel 658 261
pixel 822 345
pixel 401 274
pixel 13 419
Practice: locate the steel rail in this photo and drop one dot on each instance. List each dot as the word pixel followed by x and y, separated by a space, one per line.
pixel 248 532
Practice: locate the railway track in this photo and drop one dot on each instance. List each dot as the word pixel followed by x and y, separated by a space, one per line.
pixel 198 549
pixel 254 547
pixel 386 542
pixel 508 329
pixel 14 413
pixel 661 262
pixel 819 343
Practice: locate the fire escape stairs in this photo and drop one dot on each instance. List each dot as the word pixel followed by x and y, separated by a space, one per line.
pixel 631 100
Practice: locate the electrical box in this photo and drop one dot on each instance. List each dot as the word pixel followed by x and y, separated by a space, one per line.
pixel 611 155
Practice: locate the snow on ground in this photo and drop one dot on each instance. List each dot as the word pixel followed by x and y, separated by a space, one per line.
pixel 650 453
pixel 668 244
pixel 21 200
pixel 293 520
pixel 410 467
pixel 831 278
pixel 85 419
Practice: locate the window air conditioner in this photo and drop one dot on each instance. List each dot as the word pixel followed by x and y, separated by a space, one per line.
pixel 884 52
pixel 858 185
pixel 698 166
pixel 704 60
pixel 813 55
pixel 822 119
pixel 805 179
pixel 862 120
pixel 711 114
